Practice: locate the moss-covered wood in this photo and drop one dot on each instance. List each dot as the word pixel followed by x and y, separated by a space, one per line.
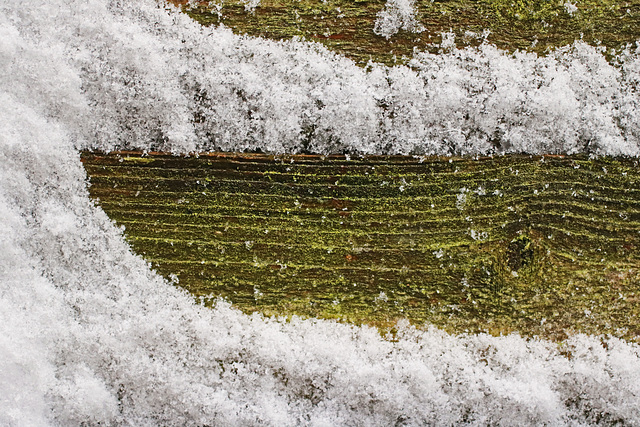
pixel 540 245
pixel 346 26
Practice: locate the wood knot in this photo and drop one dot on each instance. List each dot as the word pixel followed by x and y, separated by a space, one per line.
pixel 520 253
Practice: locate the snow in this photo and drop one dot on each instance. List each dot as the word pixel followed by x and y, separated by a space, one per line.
pixel 250 5
pixel 397 15
pixel 89 334
pixel 570 8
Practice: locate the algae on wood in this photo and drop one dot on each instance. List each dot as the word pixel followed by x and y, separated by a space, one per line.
pixel 346 26
pixel 541 245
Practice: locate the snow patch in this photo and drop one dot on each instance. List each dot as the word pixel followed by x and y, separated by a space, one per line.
pixel 397 15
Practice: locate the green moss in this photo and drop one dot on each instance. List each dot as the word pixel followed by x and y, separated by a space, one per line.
pixel 137 159
pixel 346 26
pixel 542 246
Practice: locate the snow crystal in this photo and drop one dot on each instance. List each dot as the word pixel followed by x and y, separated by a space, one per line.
pixel 461 199
pixel 397 15
pixel 250 5
pixel 570 8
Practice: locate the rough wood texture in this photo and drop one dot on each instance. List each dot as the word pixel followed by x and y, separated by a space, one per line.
pixel 346 26
pixel 540 245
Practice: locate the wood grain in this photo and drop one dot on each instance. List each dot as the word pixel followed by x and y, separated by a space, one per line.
pixel 539 245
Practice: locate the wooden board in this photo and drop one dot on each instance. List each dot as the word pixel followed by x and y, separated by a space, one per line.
pixel 347 26
pixel 540 245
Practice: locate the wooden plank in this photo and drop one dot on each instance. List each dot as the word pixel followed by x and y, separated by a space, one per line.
pixel 347 26
pixel 542 245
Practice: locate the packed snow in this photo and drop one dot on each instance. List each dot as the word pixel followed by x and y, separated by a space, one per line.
pixel 91 335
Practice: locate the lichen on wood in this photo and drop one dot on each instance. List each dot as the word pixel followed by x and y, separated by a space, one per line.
pixel 541 245
pixel 347 26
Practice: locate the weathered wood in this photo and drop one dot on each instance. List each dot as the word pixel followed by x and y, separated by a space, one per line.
pixel 346 26
pixel 541 245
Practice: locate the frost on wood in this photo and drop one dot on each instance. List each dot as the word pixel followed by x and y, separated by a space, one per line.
pixel 250 5
pixel 570 7
pixel 90 335
pixel 397 15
